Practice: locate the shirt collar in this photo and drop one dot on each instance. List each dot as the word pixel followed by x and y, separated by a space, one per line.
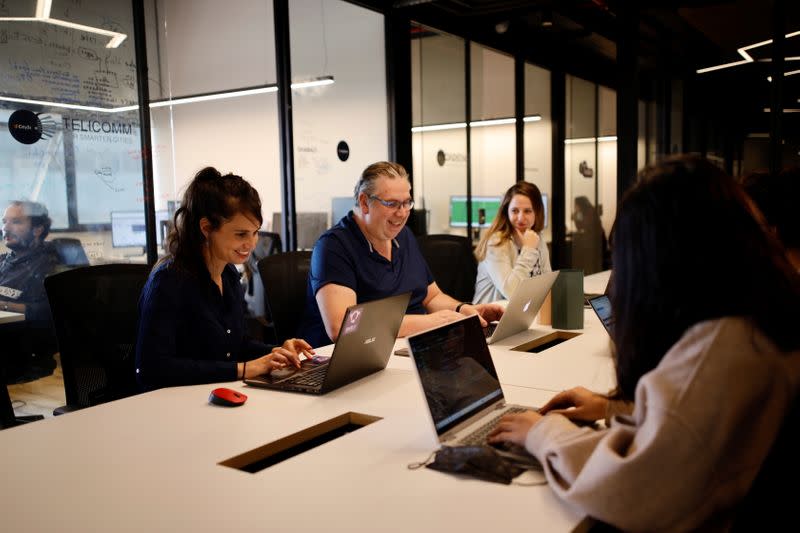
pixel 371 249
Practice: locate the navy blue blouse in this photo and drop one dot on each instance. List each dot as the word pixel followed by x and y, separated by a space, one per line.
pixel 189 333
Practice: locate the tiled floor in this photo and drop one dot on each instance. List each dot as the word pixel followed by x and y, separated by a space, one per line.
pixel 39 397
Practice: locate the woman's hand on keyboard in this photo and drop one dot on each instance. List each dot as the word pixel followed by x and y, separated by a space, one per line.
pixel 577 404
pixel 514 427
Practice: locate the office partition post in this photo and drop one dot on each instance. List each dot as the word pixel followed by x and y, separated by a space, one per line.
pixel 142 82
pixel 284 70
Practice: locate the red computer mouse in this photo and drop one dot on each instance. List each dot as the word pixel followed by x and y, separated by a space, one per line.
pixel 226 397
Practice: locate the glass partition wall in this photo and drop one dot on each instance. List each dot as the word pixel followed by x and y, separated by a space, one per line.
pixel 70 170
pixel 590 155
pixel 461 157
pixel 340 119
pixel 439 135
pixel 213 101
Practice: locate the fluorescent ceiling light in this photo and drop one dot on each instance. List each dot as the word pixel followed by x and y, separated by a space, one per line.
pixel 214 96
pixel 493 122
pixel 787 110
pixel 437 127
pixel 316 82
pixel 743 52
pixel 607 138
pixel 175 101
pixel 43 8
pixel 582 140
pixel 474 124
pixel 67 106
pixel 42 14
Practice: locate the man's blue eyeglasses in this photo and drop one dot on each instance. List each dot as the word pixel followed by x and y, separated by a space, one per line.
pixel 393 204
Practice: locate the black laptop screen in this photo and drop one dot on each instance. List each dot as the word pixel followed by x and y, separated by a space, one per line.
pixel 456 371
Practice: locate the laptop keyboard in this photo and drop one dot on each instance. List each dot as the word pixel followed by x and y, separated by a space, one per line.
pixel 312 378
pixel 478 436
pixel 488 331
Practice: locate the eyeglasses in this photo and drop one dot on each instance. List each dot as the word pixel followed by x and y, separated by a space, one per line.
pixel 394 204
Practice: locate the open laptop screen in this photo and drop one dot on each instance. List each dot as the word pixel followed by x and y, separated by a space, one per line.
pixel 456 371
pixel 602 307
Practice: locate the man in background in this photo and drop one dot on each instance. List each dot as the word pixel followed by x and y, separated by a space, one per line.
pixel 28 349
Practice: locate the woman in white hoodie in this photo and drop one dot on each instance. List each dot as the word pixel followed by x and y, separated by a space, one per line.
pixel 707 364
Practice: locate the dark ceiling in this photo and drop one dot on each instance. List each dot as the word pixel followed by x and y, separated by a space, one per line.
pixel 675 38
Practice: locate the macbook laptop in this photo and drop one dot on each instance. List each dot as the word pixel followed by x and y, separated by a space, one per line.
pixel 602 308
pixel 459 381
pixel 522 307
pixel 364 346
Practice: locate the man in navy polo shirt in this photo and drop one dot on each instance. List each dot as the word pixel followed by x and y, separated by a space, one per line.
pixel 369 255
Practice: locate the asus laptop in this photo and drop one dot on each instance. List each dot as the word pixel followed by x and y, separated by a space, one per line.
pixel 602 308
pixel 364 346
pixel 522 308
pixel 459 381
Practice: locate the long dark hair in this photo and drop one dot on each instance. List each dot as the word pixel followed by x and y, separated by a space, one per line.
pixel 502 224
pixel 215 197
pixel 687 247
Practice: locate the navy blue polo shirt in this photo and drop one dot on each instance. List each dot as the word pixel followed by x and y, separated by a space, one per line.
pixel 344 256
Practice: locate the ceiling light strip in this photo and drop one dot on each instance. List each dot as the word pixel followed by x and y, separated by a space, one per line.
pixel 474 124
pixel 743 52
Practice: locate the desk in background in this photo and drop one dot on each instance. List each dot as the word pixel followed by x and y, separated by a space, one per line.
pixel 8 317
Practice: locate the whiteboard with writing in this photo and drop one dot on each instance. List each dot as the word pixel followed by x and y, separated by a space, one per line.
pixel 42 61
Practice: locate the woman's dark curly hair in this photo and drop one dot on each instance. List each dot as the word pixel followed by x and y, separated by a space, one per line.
pixel 215 197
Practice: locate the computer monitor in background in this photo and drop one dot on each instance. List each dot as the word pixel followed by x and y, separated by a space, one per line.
pixel 309 227
pixel 128 228
pixel 340 206
pixel 458 210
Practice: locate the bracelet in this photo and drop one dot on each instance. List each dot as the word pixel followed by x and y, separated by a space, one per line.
pixel 459 306
pixel 244 370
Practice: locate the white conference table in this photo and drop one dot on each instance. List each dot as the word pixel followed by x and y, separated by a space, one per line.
pixel 150 462
pixel 7 317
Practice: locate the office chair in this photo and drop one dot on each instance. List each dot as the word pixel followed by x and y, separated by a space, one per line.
pixel 95 313
pixel 70 251
pixel 452 263
pixel 7 417
pixel 259 322
pixel 285 277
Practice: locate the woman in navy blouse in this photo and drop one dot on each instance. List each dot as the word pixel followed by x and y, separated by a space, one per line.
pixel 191 311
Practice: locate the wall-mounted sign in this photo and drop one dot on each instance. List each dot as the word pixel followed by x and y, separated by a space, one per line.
pixel 343 151
pixel 442 158
pixel 28 127
pixel 585 170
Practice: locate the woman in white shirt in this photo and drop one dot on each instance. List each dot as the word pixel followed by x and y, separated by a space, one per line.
pixel 512 249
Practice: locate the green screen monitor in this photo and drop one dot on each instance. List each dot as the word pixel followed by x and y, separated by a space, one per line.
pixel 458 210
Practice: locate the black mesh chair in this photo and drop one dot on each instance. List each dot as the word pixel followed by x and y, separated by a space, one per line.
pixel 285 277
pixel 7 417
pixel 95 313
pixel 452 263
pixel 71 252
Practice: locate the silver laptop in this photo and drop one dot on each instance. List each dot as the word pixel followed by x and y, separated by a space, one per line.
pixel 459 382
pixel 364 346
pixel 522 307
